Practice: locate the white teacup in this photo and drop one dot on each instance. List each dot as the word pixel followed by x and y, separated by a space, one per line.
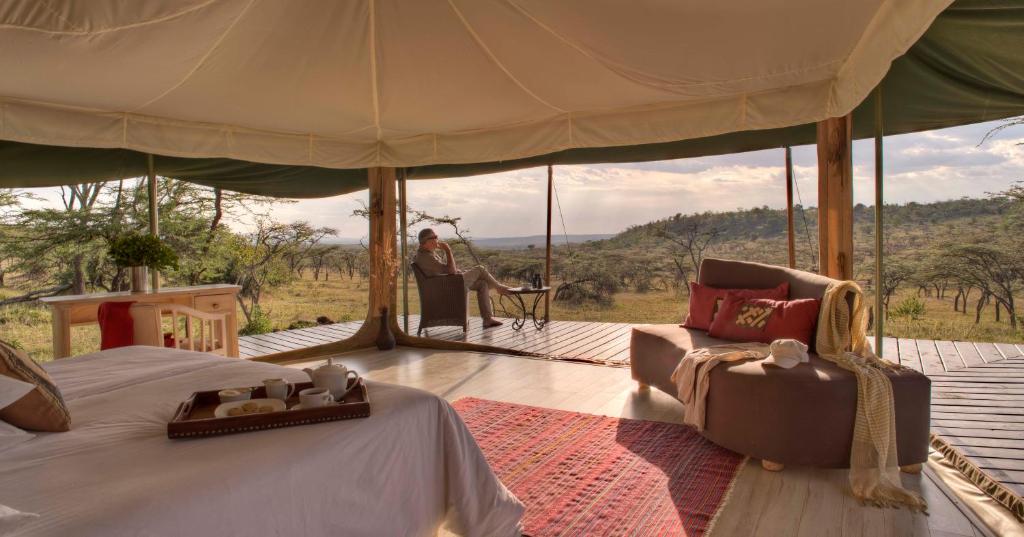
pixel 278 389
pixel 315 397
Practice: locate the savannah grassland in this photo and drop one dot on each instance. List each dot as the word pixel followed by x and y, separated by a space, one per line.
pixel 639 275
pixel 344 299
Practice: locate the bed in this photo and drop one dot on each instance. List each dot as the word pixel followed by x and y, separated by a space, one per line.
pixel 411 468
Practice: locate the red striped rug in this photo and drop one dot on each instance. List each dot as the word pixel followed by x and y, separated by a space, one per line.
pixel 581 474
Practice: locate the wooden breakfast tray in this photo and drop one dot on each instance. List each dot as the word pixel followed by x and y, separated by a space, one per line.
pixel 195 418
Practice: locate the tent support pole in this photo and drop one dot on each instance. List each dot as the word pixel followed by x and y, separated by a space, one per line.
pixel 879 229
pixel 403 211
pixel 835 197
pixel 790 230
pixel 382 294
pixel 547 254
pixel 154 215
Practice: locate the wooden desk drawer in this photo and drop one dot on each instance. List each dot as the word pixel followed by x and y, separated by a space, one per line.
pixel 216 303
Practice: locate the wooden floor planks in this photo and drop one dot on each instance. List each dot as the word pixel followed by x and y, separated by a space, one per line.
pixel 977 388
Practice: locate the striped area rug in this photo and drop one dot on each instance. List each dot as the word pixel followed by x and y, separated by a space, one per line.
pixel 581 474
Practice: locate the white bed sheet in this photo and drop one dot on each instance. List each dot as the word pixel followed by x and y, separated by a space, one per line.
pixel 408 469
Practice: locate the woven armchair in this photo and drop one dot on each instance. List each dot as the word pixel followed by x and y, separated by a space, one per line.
pixel 443 300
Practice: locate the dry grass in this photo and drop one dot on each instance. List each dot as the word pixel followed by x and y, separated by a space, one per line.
pixel 344 299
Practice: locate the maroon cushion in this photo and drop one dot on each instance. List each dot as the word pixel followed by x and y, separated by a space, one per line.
pixel 704 301
pixel 756 319
pixel 116 325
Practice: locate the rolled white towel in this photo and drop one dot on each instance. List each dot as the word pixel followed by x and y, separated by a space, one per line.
pixel 787 353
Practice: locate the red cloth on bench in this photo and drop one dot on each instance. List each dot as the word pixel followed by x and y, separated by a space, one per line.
pixel 116 325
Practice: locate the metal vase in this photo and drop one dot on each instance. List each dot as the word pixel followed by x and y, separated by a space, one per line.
pixel 140 279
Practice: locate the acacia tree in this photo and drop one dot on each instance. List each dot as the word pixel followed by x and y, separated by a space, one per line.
pixel 690 237
pixel 260 258
pixel 896 272
pixel 65 247
pixel 65 237
pixel 993 270
pixel 10 204
pixel 305 239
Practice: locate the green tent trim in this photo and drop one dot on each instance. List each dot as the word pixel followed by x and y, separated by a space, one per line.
pixel 967 68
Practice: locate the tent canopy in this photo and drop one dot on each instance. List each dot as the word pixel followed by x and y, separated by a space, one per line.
pixel 293 99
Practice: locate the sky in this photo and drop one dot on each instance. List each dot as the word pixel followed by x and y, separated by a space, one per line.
pixel 608 198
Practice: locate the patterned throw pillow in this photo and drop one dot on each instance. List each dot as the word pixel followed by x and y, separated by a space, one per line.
pixel 705 301
pixel 757 319
pixel 42 409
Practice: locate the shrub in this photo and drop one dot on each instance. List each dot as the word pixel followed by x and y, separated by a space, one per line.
pixel 138 250
pixel 259 323
pixel 302 323
pixel 911 307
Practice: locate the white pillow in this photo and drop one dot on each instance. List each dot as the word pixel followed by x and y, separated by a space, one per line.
pixel 12 519
pixel 11 436
pixel 12 389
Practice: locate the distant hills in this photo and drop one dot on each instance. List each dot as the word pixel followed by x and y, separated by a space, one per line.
pixel 515 243
pixel 763 223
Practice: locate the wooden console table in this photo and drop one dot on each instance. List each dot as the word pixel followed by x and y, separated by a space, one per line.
pixel 71 310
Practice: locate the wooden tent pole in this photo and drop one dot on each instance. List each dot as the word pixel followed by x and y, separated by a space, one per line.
pixel 403 215
pixel 154 215
pixel 879 229
pixel 547 255
pixel 382 243
pixel 835 198
pixel 790 229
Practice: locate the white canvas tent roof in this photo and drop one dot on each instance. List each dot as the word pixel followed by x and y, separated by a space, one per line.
pixel 352 84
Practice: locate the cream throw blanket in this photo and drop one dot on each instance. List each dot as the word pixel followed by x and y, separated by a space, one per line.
pixel 874 474
pixel 692 380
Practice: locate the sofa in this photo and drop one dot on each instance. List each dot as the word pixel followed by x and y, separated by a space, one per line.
pixel 800 416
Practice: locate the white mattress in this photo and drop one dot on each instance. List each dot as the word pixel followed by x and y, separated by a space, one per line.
pixel 408 469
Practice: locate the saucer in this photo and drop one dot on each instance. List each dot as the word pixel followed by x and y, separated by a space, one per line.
pixel 222 409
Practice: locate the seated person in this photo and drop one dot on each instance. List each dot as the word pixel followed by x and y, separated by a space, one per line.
pixel 477 278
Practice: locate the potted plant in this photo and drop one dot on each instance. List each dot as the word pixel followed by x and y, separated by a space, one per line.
pixel 139 253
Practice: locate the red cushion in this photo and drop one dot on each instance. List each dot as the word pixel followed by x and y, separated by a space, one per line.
pixel 763 320
pixel 116 326
pixel 704 301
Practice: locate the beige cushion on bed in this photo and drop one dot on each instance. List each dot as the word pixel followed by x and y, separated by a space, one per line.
pixel 42 409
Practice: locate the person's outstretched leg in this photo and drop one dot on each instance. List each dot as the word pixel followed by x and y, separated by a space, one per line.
pixel 483 299
pixel 479 273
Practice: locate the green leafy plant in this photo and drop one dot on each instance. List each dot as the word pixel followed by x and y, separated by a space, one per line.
pixel 138 250
pixel 259 323
pixel 911 307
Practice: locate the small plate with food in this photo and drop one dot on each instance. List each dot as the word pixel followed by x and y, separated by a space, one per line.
pixel 246 408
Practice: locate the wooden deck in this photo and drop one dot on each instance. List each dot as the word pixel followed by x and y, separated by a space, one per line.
pixel 977 388
pixel 605 343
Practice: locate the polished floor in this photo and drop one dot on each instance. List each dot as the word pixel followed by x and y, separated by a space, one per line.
pixel 796 501
pixel 977 388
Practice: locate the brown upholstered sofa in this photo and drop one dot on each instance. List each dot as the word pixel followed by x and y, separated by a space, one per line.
pixel 801 416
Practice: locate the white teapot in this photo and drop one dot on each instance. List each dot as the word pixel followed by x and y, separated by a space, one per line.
pixel 333 377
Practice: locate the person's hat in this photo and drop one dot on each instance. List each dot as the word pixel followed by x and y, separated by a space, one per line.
pixel 787 353
pixel 426 234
